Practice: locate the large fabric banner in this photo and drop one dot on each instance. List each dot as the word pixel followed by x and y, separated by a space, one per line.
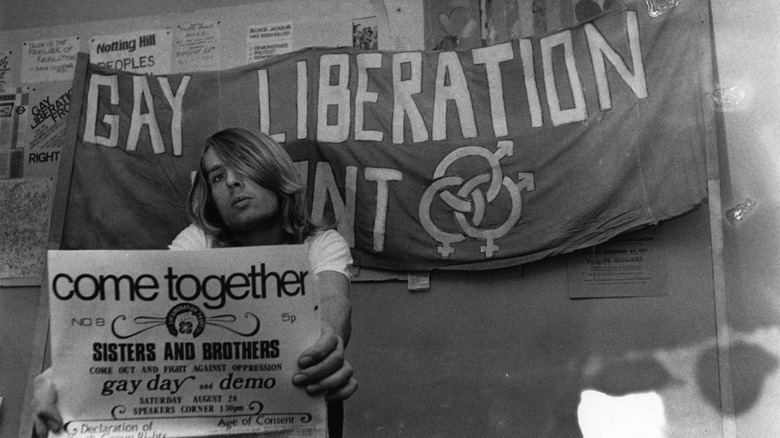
pixel 474 159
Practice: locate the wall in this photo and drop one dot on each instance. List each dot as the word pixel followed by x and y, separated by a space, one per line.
pixel 747 43
pixel 506 352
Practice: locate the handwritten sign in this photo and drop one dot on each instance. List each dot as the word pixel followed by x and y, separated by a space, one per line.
pixel 183 343
pixel 49 60
pixel 196 46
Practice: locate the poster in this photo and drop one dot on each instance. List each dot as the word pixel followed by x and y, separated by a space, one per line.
pixel 49 60
pixel 14 110
pixel 5 71
pixel 146 51
pixel 161 343
pixel 405 25
pixel 365 33
pixel 49 107
pixel 268 40
pixel 25 208
pixel 197 46
pixel 632 265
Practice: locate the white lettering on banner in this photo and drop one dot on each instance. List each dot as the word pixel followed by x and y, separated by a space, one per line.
pixel 175 100
pixel 599 46
pixel 324 185
pixel 112 120
pixel 558 115
pixel 303 100
pixel 470 199
pixel 449 90
pixel 142 96
pixel 492 57
pixel 458 91
pixel 362 96
pixel 534 103
pixel 333 96
pixel 264 106
pixel 381 177
pixel 344 207
pixel 410 64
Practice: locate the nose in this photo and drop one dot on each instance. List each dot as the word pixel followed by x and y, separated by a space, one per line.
pixel 233 179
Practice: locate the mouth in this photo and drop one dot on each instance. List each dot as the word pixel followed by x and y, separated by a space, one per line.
pixel 238 201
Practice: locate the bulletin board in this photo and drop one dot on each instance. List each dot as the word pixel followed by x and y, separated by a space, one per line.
pixel 37 68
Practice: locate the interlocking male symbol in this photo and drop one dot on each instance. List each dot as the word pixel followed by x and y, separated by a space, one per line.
pixel 471 199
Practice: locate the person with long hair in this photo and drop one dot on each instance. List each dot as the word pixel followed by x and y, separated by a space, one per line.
pixel 247 193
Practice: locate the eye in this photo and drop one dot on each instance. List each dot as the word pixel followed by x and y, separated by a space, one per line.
pixel 217 177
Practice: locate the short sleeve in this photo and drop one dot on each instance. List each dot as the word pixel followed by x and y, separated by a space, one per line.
pixel 329 251
pixel 190 238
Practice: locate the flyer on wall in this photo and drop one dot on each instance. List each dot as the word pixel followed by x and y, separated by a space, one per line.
pixel 162 344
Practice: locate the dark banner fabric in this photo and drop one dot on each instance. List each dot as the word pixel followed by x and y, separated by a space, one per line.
pixel 478 158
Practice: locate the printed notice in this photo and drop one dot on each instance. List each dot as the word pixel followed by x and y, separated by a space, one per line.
pixel 49 60
pixel 156 343
pixel 268 40
pixel 14 109
pixel 147 51
pixel 196 46
pixel 5 71
pixel 49 106
pixel 633 265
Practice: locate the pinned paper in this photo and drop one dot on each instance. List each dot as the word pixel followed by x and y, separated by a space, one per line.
pixel 419 281
pixel 49 60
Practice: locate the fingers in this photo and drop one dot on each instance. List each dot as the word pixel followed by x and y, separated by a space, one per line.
pixel 40 428
pixel 318 371
pixel 47 416
pixel 330 381
pixel 325 345
pixel 325 370
pixel 344 392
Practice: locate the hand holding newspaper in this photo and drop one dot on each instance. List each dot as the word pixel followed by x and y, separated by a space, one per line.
pixel 161 344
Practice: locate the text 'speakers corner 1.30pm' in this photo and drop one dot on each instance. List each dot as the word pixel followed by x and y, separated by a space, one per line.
pixel 161 344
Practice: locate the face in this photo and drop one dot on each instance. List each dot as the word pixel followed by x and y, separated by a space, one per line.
pixel 243 204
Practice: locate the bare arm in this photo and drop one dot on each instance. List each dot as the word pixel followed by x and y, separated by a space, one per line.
pixel 323 367
pixel 336 306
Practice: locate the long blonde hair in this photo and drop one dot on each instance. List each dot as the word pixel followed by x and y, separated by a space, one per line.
pixel 261 159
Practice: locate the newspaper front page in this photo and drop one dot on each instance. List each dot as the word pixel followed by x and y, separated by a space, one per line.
pixel 160 344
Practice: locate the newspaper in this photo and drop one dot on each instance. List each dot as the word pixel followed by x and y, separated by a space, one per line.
pixel 160 344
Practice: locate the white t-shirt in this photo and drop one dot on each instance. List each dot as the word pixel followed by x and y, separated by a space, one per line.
pixel 328 250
